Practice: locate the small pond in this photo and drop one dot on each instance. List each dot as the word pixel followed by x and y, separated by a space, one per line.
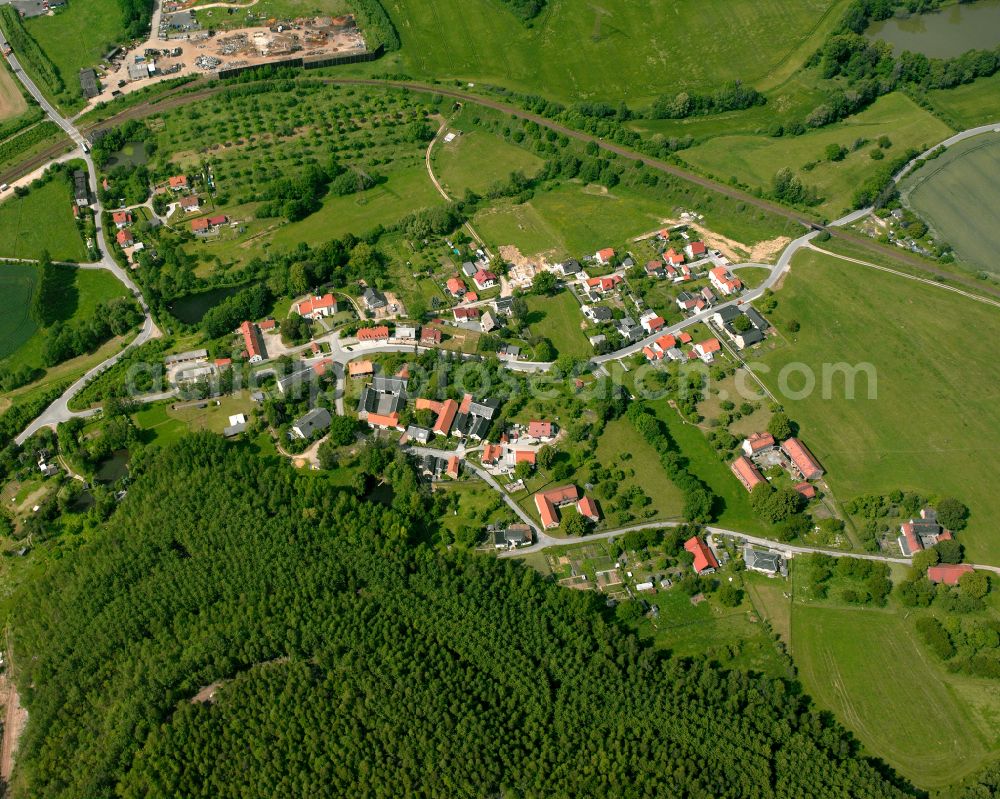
pixel 114 468
pixel 132 154
pixel 943 34
pixel 191 308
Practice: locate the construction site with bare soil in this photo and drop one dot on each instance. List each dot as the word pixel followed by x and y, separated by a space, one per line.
pixel 180 46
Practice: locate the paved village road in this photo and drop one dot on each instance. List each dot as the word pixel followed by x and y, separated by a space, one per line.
pixel 59 410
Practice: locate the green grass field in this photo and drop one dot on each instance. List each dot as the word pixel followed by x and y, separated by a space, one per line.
pixel 618 50
pixel 571 220
pixel 406 190
pixel 881 682
pixel 934 426
pixel 17 282
pixel 956 195
pixel 705 464
pixel 558 319
pixel 755 159
pixel 42 220
pixel 77 37
pixel 477 159
pixel 619 438
pixel 85 288
pixel 971 104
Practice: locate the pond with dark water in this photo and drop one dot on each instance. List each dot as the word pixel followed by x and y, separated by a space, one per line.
pixel 943 34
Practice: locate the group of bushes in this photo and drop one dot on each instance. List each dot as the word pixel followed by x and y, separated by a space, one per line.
pixel 68 340
pixel 866 581
pixel 377 25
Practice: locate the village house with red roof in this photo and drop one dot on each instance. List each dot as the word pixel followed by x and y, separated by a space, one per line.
pixel 704 559
pixel 317 307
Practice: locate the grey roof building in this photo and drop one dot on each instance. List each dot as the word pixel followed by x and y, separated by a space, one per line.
pixel 756 319
pixel 316 420
pixel 764 561
pixel 88 83
pixel 421 434
pixel 374 299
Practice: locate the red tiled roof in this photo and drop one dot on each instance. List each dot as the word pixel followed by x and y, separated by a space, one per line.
pixel 373 333
pixel 383 420
pixel 562 495
pixel 311 304
pixel 492 453
pixel 651 354
pixel 746 472
pixel 198 225
pixel 428 405
pixel 483 276
pixel 709 345
pixel 251 340
pixel 666 342
pixel 122 217
pixel 606 254
pixel 446 417
pixel 948 573
pixel 223 361
pixel 466 313
pixel 697 248
pixel 430 335
pixel 178 181
pixel 913 542
pixel 802 458
pixel 539 429
pixel 358 368
pixel 524 456
pixel 587 507
pixel 455 286
pixel 671 256
pixel 703 557
pixel 547 511
pixel 465 404
pixel 452 470
pixel 806 490
pixel 470 296
pixel 215 221
pixel 124 237
pixel 190 202
pixel 759 441
pixel 655 323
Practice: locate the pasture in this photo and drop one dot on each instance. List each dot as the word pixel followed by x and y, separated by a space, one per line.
pixel 956 194
pixel 933 425
pixel 618 50
pixel 868 667
pixel 558 319
pixel 754 160
pixel 971 104
pixel 41 220
pixel 17 282
pixel 477 159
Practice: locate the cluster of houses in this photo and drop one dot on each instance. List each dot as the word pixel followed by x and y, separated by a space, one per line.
pixel 667 347
pixel 761 450
pixel 922 532
pixel 124 236
pixel 549 502
pixel 744 334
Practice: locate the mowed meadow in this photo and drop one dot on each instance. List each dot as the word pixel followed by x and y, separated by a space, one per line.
pixel 871 669
pixel 632 50
pixel 934 426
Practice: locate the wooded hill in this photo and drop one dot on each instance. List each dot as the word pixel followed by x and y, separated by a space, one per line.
pixel 355 661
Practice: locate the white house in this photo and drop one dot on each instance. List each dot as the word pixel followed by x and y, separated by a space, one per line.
pixel 317 307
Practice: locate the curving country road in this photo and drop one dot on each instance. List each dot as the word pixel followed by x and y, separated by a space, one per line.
pixel 59 410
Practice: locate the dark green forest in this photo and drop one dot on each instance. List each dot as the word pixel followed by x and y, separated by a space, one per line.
pixel 354 660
